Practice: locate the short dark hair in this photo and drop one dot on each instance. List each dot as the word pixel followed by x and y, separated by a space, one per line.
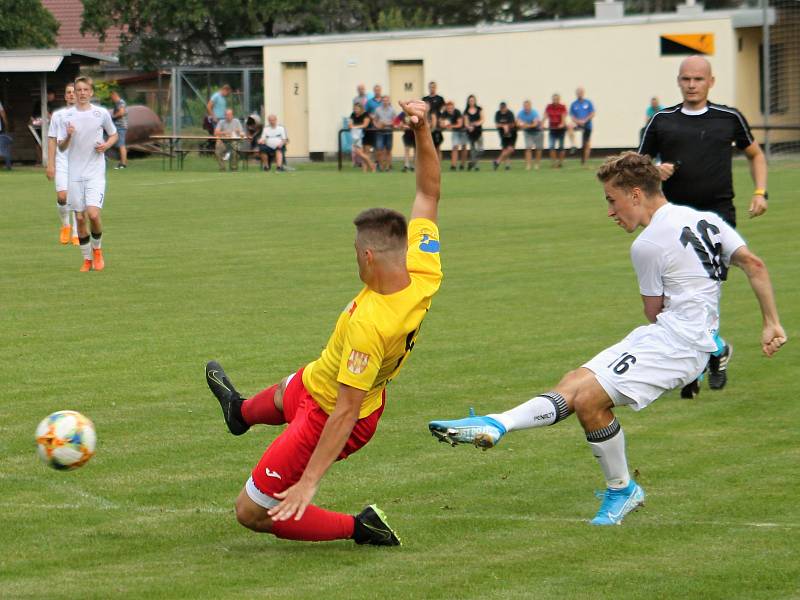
pixel 382 229
pixel 629 170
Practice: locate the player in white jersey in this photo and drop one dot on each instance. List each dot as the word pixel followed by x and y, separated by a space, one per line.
pixel 681 259
pixel 57 169
pixel 81 137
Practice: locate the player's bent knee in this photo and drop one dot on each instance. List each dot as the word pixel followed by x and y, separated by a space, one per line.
pixel 251 515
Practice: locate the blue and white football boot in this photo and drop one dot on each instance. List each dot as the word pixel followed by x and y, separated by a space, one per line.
pixel 618 503
pixel 482 432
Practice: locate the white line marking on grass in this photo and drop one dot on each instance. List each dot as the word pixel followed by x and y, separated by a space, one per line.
pixel 650 521
pixel 172 181
pixel 217 510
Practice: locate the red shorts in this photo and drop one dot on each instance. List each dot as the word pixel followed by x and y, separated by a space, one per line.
pixel 283 463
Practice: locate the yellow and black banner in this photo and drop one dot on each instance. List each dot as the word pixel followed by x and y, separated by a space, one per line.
pixel 687 43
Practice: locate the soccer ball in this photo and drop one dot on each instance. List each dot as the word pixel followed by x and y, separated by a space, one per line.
pixel 65 440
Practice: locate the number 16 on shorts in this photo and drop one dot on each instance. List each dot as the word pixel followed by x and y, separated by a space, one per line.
pixel 622 363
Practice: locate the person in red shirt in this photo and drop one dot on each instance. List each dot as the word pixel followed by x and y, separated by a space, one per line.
pixel 556 115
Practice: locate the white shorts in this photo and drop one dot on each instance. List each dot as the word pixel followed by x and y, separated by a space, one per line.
pixel 81 194
pixel 647 363
pixel 62 181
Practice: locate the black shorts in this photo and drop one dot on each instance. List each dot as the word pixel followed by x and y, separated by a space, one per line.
pixel 587 135
pixel 409 139
pixel 369 137
pixel 508 141
pixel 438 138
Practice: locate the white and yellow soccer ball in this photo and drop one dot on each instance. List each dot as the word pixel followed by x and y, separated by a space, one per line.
pixel 66 440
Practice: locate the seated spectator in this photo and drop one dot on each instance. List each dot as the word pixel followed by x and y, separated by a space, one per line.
pixel 451 119
pixel 271 144
pixel 359 122
pixel 528 120
pixel 383 118
pixel 228 149
pixel 507 127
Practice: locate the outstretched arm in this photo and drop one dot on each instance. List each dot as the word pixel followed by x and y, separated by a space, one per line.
pixel 772 334
pixel 426 202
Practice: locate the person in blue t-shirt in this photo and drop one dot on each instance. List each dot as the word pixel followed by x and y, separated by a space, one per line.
pixel 529 121
pixel 654 107
pixel 217 105
pixel 582 112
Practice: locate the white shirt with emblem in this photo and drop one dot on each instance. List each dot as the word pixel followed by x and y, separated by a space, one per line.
pixel 684 255
pixel 83 162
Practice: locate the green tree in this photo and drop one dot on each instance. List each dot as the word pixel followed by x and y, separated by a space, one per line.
pixel 26 24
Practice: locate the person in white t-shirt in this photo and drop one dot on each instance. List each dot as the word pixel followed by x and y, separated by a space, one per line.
pixel 57 169
pixel 681 259
pixel 271 144
pixel 80 135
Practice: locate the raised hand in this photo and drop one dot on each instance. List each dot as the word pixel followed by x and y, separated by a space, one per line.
pixel 416 111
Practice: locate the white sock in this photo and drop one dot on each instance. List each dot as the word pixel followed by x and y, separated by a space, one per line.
pixel 86 250
pixel 63 212
pixel 608 447
pixel 74 225
pixel 546 409
pixel 96 241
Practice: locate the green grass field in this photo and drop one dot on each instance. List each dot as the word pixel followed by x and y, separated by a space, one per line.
pixel 252 269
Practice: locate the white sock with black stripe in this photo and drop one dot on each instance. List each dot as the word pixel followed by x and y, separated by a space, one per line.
pixel 608 447
pixel 546 409
pixel 63 213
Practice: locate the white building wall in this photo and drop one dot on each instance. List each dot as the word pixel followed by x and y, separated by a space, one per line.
pixel 620 66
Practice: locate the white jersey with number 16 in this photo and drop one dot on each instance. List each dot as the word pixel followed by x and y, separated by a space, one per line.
pixel 684 255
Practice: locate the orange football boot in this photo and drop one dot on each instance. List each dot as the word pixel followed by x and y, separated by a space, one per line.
pixel 75 241
pixel 64 235
pixel 87 265
pixel 97 259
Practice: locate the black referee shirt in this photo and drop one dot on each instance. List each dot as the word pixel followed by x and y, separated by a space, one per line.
pixel 701 147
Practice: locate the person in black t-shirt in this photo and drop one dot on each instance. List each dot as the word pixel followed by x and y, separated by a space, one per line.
pixel 694 142
pixel 473 123
pixel 506 123
pixel 452 120
pixel 434 101
pixel 359 122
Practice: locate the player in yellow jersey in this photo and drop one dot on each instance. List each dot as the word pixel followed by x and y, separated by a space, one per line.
pixel 333 404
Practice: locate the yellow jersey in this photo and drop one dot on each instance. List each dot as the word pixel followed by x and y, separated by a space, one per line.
pixel 375 332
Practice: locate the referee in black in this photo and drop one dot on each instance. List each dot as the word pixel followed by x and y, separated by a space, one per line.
pixel 694 140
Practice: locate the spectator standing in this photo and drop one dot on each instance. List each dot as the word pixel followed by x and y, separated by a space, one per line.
pixel 452 120
pixel 361 95
pixel 226 149
pixel 359 122
pixel 695 140
pixel 556 115
pixel 36 110
pixel 473 122
pixel 217 105
pixel 655 106
pixel 373 102
pixel 120 118
pixel 434 101
pixel 384 116
pixel 507 128
pixel 271 144
pixel 409 143
pixel 5 139
pixel 531 124
pixel 582 112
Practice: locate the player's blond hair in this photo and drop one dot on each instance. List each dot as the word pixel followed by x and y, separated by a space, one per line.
pixel 381 229
pixel 84 79
pixel 629 170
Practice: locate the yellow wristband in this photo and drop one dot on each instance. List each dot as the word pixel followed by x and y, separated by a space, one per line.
pixel 759 192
